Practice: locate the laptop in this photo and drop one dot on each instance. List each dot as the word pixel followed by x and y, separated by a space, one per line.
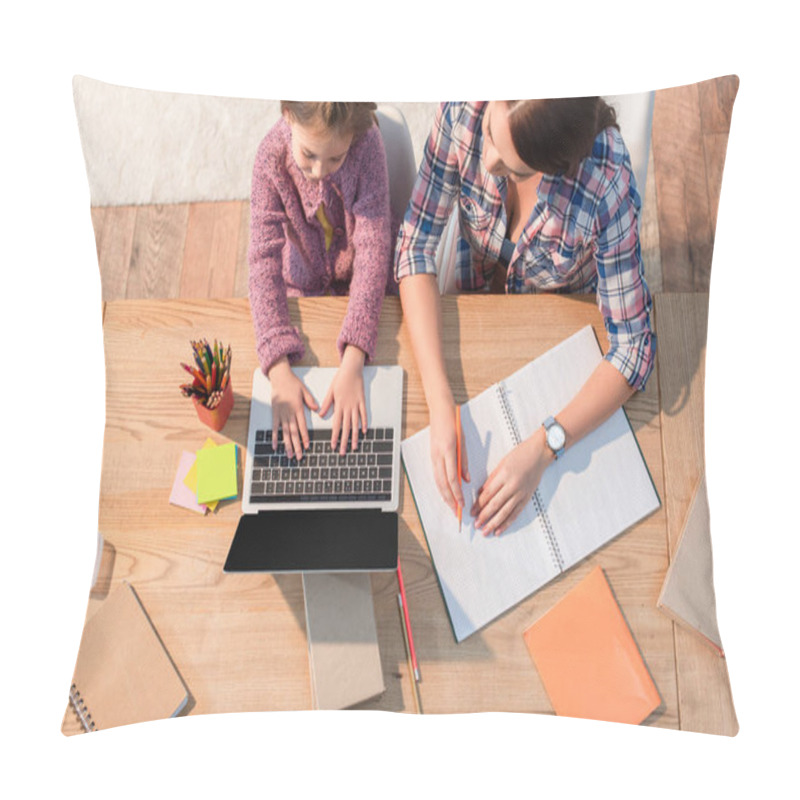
pixel 325 512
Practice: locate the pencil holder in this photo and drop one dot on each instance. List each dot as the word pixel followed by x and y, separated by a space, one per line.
pixel 210 389
pixel 216 417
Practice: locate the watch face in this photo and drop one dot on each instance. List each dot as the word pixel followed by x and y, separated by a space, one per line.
pixel 556 437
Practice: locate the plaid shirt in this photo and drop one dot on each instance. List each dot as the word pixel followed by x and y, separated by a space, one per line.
pixel 581 237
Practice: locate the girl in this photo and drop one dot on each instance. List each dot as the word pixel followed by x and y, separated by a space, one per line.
pixel 320 224
pixel 547 202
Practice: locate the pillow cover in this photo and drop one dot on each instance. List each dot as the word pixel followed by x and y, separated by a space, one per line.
pixel 169 179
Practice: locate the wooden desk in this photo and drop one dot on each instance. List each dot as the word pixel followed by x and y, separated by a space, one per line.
pixel 239 640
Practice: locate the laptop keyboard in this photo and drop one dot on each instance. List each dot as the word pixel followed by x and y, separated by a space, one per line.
pixel 323 475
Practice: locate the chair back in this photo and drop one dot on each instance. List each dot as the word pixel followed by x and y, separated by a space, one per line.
pixel 399 157
pixel 635 118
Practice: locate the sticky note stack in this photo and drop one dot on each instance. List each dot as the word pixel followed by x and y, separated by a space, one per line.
pixel 209 476
pixel 183 494
pixel 217 474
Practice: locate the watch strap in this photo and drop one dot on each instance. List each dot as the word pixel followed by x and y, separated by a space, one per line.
pixel 549 423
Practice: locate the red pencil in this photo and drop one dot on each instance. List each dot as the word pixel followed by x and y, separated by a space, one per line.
pixel 194 373
pixel 407 622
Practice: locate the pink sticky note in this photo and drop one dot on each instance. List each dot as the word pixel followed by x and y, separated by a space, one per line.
pixel 181 494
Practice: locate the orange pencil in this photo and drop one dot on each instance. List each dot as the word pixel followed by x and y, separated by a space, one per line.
pixel 194 373
pixel 458 458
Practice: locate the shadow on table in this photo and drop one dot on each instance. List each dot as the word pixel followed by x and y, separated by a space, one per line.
pixel 682 327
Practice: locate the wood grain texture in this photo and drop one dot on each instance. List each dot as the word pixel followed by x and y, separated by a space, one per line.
pixel 681 321
pixel 706 703
pixel 242 273
pixel 715 146
pixel 157 251
pixel 690 127
pixel 114 230
pixel 716 111
pixel 716 103
pixel 211 250
pixel 685 230
pixel 239 641
pixel 648 232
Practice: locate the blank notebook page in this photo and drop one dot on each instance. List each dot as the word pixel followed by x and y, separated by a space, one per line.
pixel 481 576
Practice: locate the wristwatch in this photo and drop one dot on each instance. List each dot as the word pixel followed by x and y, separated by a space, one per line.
pixel 555 436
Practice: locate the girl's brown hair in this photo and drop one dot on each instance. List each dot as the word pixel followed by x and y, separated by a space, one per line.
pixel 355 118
pixel 554 136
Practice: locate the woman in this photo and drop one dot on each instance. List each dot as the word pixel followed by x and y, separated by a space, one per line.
pixel 547 202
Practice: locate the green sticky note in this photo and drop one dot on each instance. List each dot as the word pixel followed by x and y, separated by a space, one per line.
pixel 191 476
pixel 217 474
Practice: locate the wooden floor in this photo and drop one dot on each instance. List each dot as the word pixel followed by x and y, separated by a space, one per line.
pixel 192 250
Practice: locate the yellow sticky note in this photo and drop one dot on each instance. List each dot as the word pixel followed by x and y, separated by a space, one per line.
pixel 191 476
pixel 217 473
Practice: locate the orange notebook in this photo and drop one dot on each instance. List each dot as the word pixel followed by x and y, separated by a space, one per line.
pixel 587 658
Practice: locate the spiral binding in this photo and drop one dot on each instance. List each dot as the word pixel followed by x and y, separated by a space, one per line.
pixel 509 417
pixel 79 704
pixel 552 543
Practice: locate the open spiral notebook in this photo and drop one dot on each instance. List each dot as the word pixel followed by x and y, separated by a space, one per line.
pixel 600 487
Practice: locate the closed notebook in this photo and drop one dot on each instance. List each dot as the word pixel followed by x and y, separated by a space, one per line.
pixel 123 673
pixel 599 488
pixel 217 473
pixel 587 658
pixel 688 591
pixel 344 658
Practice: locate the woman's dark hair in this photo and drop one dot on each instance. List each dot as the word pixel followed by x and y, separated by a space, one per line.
pixel 355 118
pixel 554 136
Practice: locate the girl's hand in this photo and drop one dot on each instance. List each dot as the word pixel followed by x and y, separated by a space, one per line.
pixel 444 455
pixel 289 396
pixel 346 395
pixel 511 485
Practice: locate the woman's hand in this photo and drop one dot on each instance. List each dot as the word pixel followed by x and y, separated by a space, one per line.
pixel 511 485
pixel 422 312
pixel 444 455
pixel 289 396
pixel 346 395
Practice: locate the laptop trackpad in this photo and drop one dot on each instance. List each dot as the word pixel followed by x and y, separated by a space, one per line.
pixel 349 540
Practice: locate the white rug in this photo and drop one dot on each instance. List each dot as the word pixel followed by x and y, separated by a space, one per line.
pixel 144 147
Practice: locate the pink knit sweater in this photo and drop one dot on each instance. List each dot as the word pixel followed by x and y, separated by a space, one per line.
pixel 287 242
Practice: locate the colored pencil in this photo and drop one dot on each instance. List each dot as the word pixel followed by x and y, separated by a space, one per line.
pixel 458 458
pixel 208 353
pixel 212 374
pixel 201 351
pixel 194 373
pixel 408 654
pixel 199 361
pixel 407 620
